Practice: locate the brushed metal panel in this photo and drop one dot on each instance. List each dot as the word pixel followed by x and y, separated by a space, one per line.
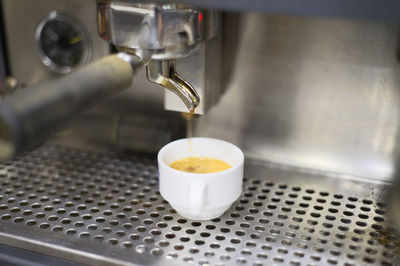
pixel 311 92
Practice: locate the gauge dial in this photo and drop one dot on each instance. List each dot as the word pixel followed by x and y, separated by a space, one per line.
pixel 62 43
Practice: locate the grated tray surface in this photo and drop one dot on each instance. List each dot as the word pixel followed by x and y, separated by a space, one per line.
pixel 98 208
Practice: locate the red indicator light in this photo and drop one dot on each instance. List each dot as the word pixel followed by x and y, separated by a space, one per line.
pixel 200 17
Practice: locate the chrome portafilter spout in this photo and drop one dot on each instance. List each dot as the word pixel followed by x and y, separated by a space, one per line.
pixel 163 72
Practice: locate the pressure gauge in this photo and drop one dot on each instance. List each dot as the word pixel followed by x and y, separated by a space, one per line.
pixel 63 43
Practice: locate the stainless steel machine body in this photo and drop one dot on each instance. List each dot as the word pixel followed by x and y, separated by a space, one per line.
pixel 314 104
pixel 147 35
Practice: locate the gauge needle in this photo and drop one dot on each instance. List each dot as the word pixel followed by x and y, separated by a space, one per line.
pixel 75 40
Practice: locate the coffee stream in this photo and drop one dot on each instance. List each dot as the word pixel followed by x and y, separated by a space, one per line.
pixel 189 117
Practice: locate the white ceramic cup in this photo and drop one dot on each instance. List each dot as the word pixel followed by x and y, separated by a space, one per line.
pixel 200 196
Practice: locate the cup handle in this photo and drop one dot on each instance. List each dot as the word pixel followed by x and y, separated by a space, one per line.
pixel 197 196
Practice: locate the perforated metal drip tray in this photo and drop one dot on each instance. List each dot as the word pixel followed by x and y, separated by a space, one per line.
pixel 100 209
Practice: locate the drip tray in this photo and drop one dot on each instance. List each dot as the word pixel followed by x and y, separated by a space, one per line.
pixel 98 208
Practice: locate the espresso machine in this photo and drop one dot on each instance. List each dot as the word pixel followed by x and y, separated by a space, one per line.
pixel 91 90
